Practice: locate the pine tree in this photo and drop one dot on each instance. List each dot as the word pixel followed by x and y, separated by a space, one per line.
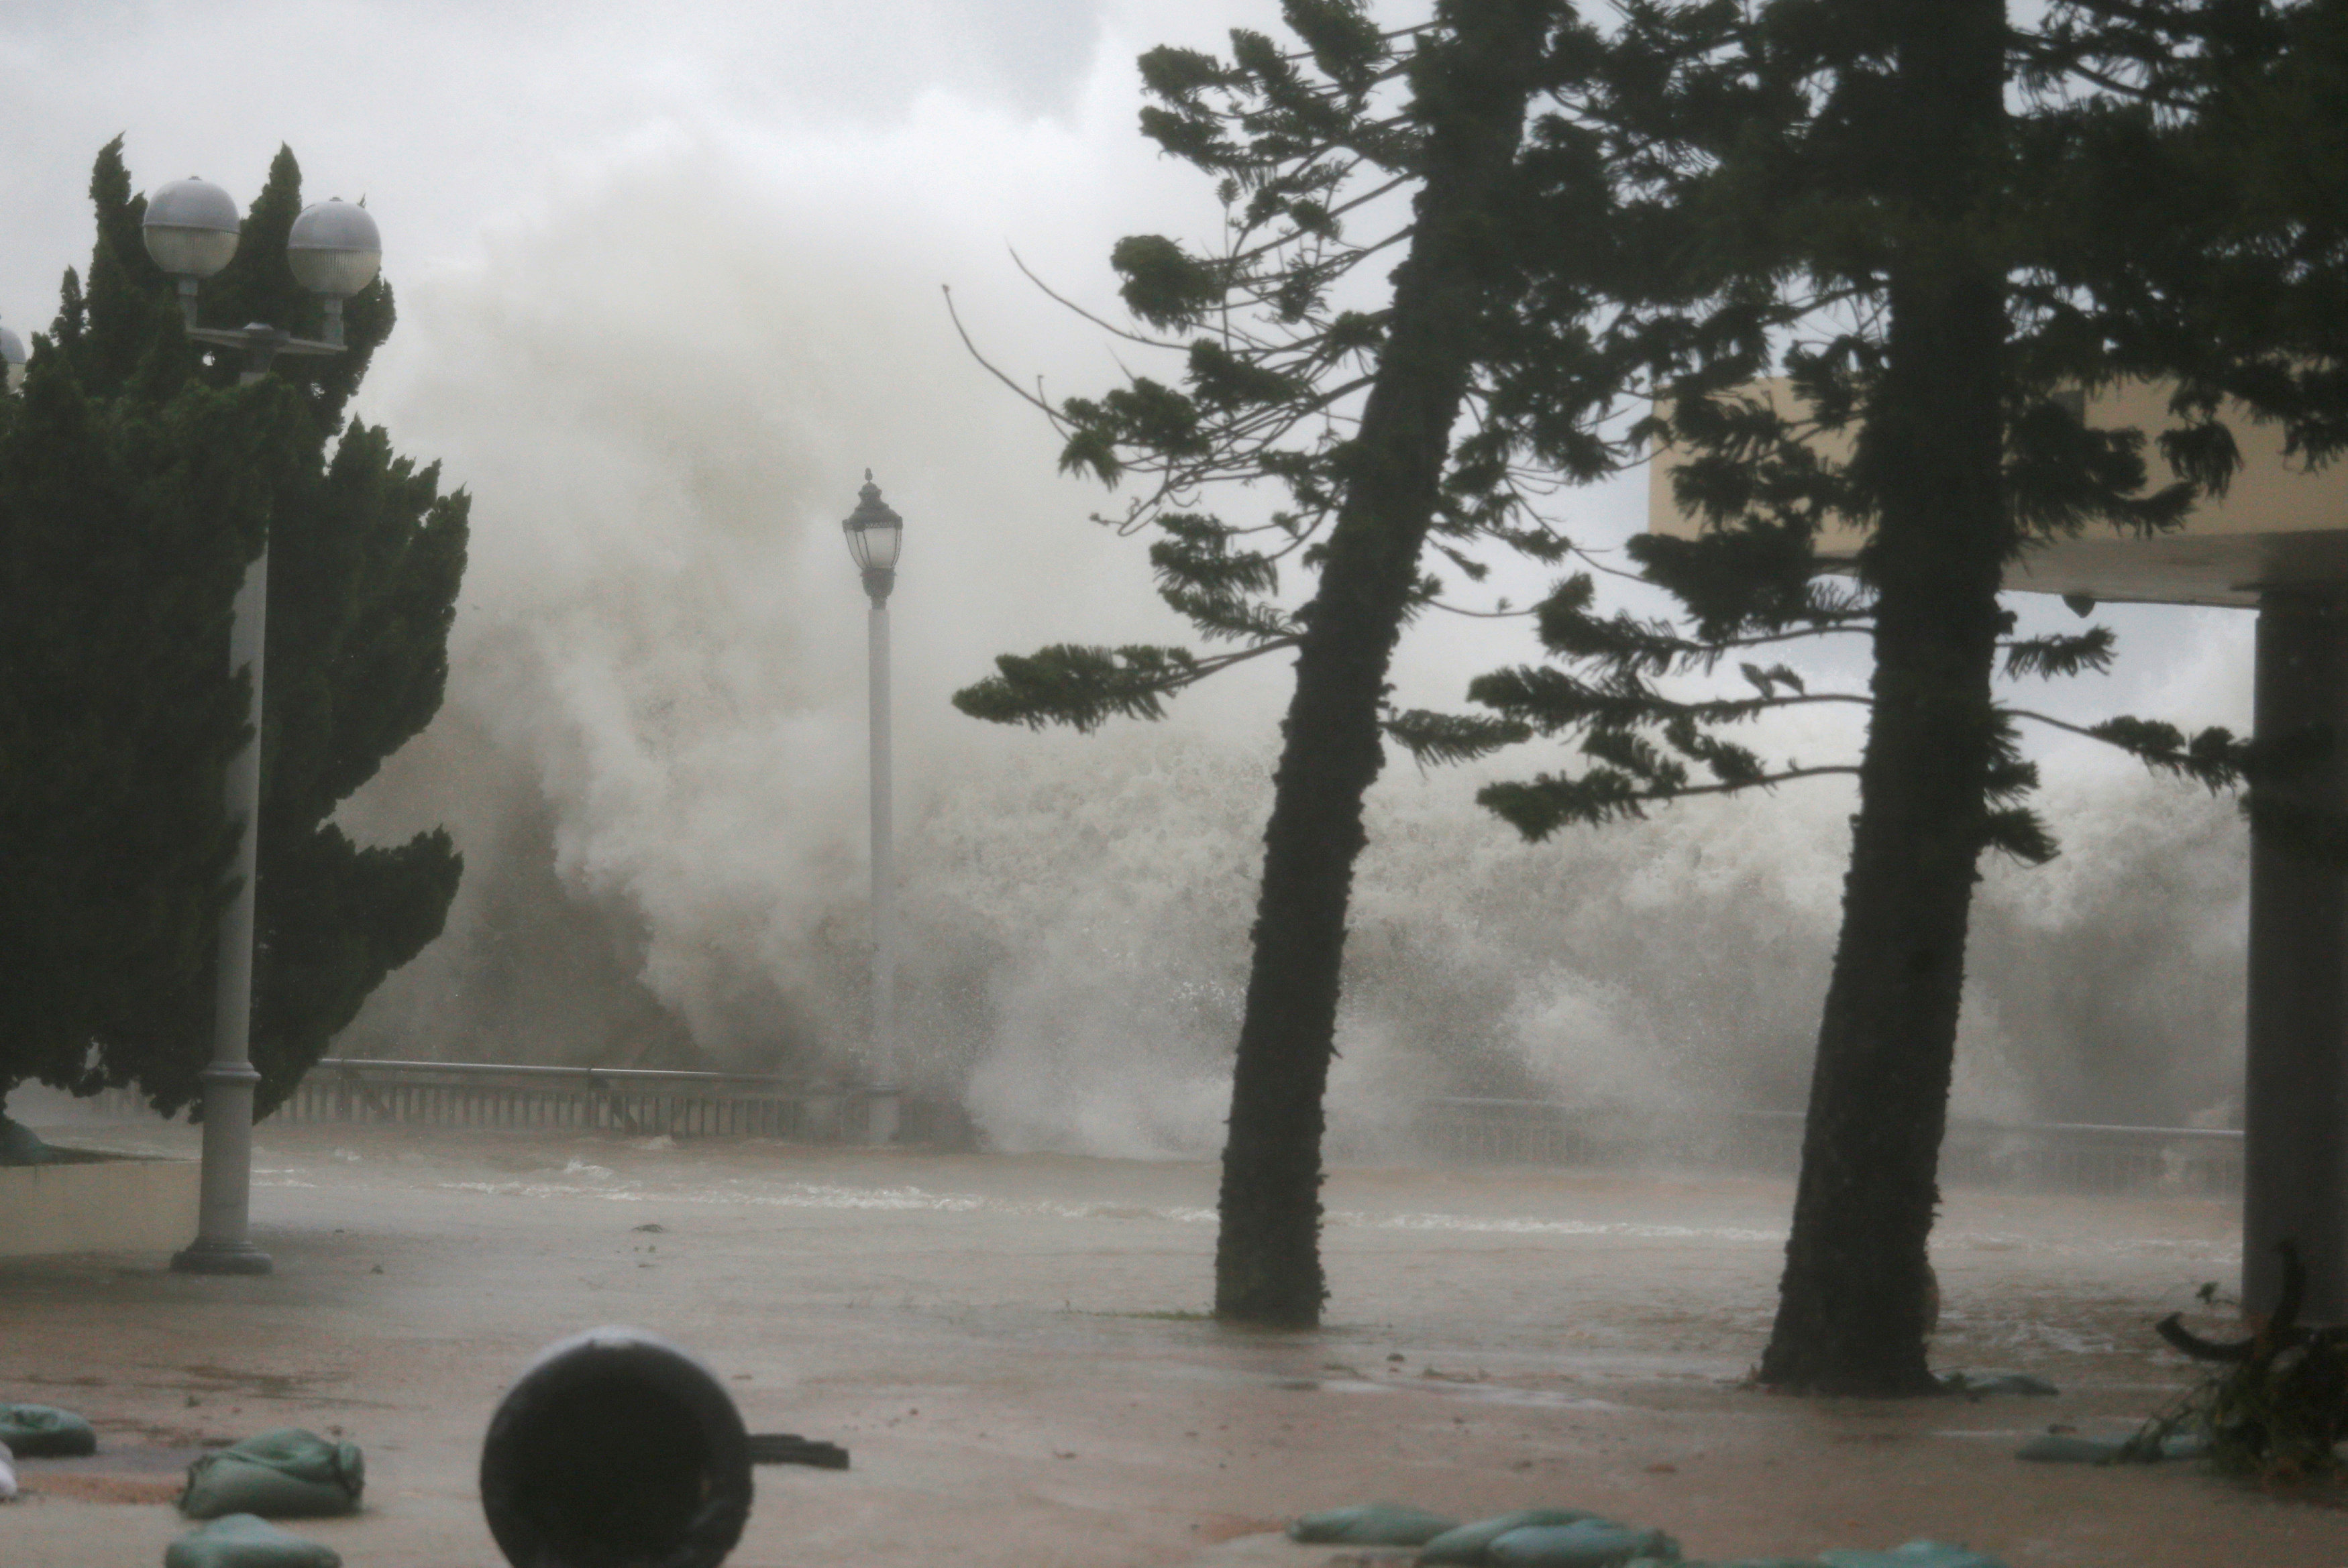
pixel 1952 273
pixel 1487 116
pixel 366 555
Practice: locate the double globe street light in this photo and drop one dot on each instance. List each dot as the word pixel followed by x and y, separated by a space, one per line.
pixel 191 231
pixel 12 361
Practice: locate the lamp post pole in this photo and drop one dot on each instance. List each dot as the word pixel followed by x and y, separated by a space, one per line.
pixel 874 534
pixel 191 231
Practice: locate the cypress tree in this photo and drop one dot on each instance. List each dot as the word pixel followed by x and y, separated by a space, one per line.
pixel 366 555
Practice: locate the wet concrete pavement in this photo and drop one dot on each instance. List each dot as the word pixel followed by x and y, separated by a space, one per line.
pixel 1012 1348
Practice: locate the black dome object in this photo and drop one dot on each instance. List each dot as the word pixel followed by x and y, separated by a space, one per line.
pixel 616 1449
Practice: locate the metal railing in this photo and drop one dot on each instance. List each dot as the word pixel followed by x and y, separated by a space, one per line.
pixel 2064 1154
pixel 639 1102
pixel 1464 1130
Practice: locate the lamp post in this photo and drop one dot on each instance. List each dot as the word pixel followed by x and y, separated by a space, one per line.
pixel 874 534
pixel 12 361
pixel 191 231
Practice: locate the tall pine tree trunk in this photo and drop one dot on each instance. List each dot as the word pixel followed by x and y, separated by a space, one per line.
pixel 1851 1314
pixel 1472 95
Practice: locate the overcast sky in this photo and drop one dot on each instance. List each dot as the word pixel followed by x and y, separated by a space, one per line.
pixel 953 123
pixel 448 114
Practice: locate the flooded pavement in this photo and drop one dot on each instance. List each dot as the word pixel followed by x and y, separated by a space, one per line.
pixel 1013 1348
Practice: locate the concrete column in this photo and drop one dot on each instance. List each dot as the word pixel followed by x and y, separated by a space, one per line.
pixel 2295 1102
pixel 222 1244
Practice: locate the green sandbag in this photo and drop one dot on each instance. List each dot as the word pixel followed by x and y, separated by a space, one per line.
pixel 1915 1554
pixel 246 1541
pixel 1586 1543
pixel 2063 1448
pixel 1371 1524
pixel 1975 1385
pixel 1723 1562
pixel 283 1473
pixel 44 1431
pixel 1468 1543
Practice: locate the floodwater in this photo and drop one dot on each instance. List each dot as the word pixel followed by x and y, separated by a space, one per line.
pixel 1014 1349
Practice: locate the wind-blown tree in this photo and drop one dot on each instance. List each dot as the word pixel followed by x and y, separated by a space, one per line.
pixel 131 434
pixel 1295 374
pixel 1957 269
pixel 124 528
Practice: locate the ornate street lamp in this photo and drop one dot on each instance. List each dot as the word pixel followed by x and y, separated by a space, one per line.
pixel 191 231
pixel 12 361
pixel 874 534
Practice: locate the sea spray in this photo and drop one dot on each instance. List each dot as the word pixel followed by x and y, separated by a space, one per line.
pixel 662 387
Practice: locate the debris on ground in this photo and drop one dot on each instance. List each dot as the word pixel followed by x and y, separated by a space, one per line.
pixel 44 1431
pixel 283 1473
pixel 246 1541
pixel 1371 1524
pixel 789 1448
pixel 2273 1406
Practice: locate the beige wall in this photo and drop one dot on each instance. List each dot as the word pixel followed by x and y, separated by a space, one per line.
pixel 128 1205
pixel 2278 525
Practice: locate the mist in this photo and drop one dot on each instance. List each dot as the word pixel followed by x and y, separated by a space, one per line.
pixel 664 300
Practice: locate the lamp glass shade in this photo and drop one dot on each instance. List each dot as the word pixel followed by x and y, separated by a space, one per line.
pixel 191 227
pixel 874 530
pixel 334 249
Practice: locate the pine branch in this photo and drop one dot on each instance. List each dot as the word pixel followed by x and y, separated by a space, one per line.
pixel 1554 700
pixel 1437 739
pixel 2213 758
pixel 1032 399
pixel 1602 795
pixel 2052 656
pixel 2021 832
pixel 1084 687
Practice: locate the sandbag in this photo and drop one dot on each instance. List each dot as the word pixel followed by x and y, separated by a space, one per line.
pixel 1469 1542
pixel 283 1473
pixel 1915 1554
pixel 1977 1385
pixel 2065 1447
pixel 1370 1525
pixel 1585 1543
pixel 44 1431
pixel 246 1541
